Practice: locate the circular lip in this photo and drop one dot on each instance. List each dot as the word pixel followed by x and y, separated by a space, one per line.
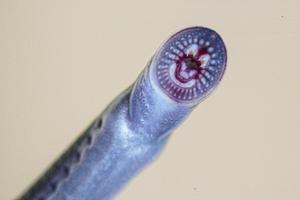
pixel 162 48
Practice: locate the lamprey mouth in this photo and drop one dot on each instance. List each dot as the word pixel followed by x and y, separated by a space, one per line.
pixel 190 64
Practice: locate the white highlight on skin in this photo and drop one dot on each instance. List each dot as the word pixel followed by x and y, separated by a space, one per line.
pixel 204 60
pixel 210 49
pixel 213 62
pixel 214 55
pixel 201 42
pixel 192 50
pixel 163 66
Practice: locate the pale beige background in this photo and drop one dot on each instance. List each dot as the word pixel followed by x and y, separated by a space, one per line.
pixel 62 62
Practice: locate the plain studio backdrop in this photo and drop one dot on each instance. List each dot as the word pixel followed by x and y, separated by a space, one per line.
pixel 62 62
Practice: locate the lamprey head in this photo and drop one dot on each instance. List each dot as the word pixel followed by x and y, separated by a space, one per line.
pixel 190 64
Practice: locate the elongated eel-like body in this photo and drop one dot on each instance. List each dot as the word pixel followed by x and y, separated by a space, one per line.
pixel 135 127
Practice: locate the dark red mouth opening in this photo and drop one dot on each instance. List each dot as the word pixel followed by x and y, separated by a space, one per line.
pixel 188 67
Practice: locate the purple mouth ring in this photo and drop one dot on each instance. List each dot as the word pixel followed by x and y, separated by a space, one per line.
pixel 190 64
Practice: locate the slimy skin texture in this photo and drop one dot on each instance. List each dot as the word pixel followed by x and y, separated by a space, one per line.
pixel 135 127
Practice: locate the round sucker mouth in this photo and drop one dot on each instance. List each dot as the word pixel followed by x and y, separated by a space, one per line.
pixel 190 64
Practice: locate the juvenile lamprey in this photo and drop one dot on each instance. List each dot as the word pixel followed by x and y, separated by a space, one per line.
pixel 135 127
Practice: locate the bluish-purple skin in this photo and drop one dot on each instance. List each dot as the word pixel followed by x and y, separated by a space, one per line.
pixel 135 127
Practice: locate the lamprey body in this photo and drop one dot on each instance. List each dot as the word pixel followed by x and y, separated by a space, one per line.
pixel 135 127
